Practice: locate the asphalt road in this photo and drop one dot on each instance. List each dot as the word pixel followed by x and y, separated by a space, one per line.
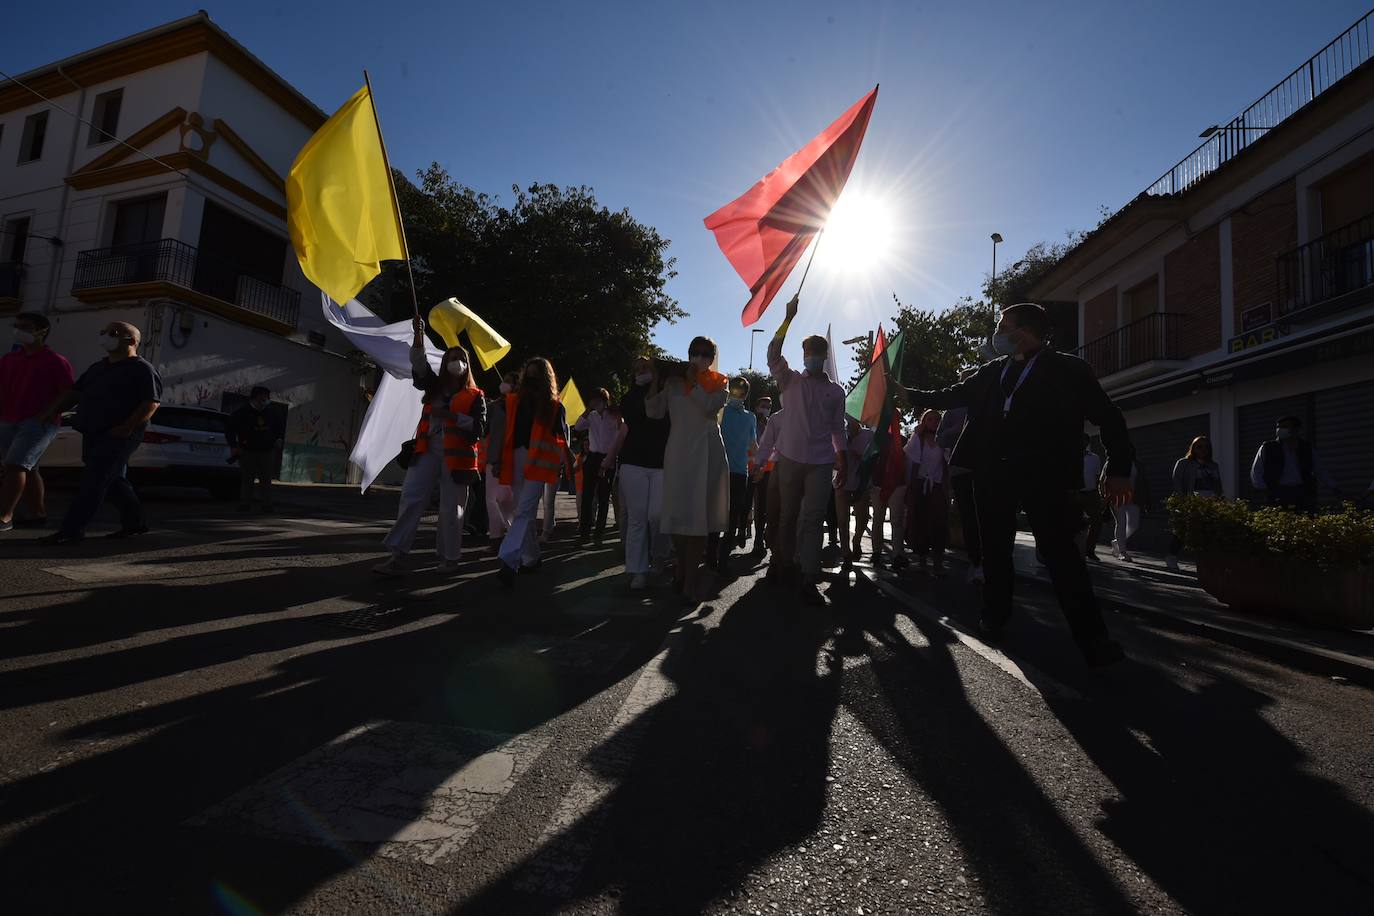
pixel 233 715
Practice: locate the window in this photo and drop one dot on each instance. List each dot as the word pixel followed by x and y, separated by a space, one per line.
pixel 31 144
pixel 16 240
pixel 105 117
pixel 1142 301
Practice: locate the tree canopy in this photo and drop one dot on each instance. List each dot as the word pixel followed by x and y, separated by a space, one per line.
pixel 556 273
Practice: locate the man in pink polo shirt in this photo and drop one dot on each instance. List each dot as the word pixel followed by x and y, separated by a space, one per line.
pixel 32 376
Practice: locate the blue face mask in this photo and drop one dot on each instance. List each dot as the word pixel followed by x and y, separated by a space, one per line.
pixel 1002 345
pixel 814 364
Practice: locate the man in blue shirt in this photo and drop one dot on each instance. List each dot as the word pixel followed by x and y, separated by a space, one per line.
pixel 739 429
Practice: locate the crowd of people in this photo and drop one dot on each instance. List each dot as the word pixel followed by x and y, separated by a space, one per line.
pixel 693 470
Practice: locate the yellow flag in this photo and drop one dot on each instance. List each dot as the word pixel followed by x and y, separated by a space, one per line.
pixel 572 402
pixel 339 205
pixel 451 317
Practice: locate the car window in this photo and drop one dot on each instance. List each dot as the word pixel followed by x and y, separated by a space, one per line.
pixel 195 420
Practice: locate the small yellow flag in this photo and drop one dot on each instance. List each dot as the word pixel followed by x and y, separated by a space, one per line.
pixel 339 205
pixel 451 317
pixel 572 402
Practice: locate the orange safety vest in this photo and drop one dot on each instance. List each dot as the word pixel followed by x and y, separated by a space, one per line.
pixel 460 449
pixel 547 445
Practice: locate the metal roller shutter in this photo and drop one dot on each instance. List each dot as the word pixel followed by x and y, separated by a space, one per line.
pixel 1158 446
pixel 1343 434
pixel 1255 425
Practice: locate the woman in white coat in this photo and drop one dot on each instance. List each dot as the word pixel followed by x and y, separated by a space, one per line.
pixel 696 483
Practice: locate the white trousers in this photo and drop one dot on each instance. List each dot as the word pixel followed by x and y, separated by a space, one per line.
pixel 520 547
pixel 641 496
pixel 500 505
pixel 424 472
pixel 1127 520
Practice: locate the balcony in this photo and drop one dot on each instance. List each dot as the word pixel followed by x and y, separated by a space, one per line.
pixel 1327 275
pixel 1139 349
pixel 171 268
pixel 11 276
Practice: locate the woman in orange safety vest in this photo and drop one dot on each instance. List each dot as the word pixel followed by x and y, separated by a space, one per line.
pixel 452 421
pixel 534 448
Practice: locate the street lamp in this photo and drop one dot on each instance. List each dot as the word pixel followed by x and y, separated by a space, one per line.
pixel 751 346
pixel 996 239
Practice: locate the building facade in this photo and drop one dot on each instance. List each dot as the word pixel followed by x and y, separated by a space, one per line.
pixel 1240 286
pixel 180 229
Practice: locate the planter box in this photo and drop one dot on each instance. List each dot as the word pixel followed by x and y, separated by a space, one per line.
pixel 1292 589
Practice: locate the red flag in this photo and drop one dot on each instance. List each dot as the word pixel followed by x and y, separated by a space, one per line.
pixel 765 230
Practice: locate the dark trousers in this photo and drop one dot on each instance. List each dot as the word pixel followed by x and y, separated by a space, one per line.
pixel 1094 514
pixel 962 485
pixel 596 494
pixel 761 512
pixel 927 518
pixel 105 460
pixel 1054 517
pixel 718 546
pixel 255 467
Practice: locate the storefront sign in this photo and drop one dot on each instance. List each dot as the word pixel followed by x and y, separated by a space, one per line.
pixel 1252 319
pixel 1258 337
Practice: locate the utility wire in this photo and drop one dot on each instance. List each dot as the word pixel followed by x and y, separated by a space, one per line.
pixel 111 136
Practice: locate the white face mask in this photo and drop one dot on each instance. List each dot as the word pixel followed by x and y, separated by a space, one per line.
pixel 761 411
pixel 644 378
pixel 457 368
pixel 24 338
pixel 110 344
pixel 1002 345
pixel 506 388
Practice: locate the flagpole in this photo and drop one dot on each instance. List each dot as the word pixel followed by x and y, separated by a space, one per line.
pixel 814 249
pixel 395 201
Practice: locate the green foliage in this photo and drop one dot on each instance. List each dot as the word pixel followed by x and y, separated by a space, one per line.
pixel 555 272
pixel 760 384
pixel 937 344
pixel 1333 539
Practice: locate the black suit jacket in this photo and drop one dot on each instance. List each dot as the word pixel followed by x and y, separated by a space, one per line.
pixel 1042 435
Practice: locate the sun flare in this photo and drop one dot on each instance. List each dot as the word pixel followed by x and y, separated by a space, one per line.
pixel 859 232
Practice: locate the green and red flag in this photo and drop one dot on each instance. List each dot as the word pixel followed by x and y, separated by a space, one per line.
pixel 865 400
pixel 884 452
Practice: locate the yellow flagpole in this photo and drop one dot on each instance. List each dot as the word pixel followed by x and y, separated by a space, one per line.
pixel 395 201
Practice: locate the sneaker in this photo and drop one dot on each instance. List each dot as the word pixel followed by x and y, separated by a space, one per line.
pixel 389 567
pixel 1171 561
pixel 639 582
pixel 6 526
pixel 1116 551
pixel 448 566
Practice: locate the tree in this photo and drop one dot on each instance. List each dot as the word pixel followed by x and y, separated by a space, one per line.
pixel 761 384
pixel 556 273
pixel 936 345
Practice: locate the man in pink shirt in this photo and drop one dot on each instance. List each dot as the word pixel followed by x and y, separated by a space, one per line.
pixel 813 452
pixel 32 377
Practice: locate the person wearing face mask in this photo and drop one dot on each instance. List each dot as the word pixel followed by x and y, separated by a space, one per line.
pixel 739 430
pixel 452 421
pixel 602 425
pixel 852 500
pixel 813 452
pixel 696 486
pixel 927 494
pixel 115 398
pixel 255 436
pixel 638 455
pixel 1195 474
pixel 534 450
pixel 1023 441
pixel 500 500
pixel 760 466
pixel 1289 469
pixel 32 376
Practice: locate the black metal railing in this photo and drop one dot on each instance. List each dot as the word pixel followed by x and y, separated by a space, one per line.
pixel 175 262
pixel 1323 70
pixel 1147 339
pixel 1338 263
pixel 11 274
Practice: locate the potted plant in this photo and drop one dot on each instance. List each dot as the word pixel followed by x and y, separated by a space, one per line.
pixel 1315 568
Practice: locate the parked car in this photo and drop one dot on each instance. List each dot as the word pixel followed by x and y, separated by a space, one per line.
pixel 182 446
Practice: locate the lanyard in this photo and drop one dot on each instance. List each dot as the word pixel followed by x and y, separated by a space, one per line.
pixel 1006 404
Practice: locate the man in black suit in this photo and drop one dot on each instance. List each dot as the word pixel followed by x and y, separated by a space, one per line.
pixel 1023 441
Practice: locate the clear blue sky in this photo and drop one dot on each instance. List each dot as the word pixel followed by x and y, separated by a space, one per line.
pixel 993 116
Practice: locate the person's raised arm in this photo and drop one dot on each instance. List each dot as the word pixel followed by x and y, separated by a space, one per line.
pixel 421 375
pixel 960 394
pixel 777 363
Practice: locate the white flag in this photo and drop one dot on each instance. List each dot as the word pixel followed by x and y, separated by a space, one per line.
pixel 830 367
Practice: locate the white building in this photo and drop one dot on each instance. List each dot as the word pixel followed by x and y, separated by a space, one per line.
pixel 185 237
pixel 1240 286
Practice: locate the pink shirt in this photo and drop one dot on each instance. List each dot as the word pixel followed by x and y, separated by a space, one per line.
pixel 602 428
pixel 815 431
pixel 29 382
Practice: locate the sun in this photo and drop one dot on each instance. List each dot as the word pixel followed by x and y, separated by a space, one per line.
pixel 859 232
